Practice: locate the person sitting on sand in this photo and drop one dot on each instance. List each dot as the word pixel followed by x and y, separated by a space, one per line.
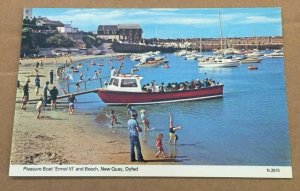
pixel 38 108
pixel 145 121
pixel 159 145
pixel 172 130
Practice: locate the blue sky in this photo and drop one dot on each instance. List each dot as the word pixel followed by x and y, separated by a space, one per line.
pixel 175 23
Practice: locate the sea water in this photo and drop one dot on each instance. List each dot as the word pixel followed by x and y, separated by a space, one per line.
pixel 248 126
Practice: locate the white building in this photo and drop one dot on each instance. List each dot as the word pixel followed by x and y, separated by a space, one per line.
pixel 27 13
pixel 67 29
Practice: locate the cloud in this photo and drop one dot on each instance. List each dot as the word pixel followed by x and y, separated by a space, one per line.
pixel 260 19
pixel 91 18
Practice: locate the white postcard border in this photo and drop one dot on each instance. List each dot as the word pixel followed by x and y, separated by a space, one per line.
pixel 151 171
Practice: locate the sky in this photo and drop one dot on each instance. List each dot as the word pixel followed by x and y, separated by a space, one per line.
pixel 175 23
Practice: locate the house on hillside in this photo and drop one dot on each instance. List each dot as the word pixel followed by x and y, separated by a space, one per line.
pixel 69 32
pixel 108 32
pixel 43 21
pixel 131 33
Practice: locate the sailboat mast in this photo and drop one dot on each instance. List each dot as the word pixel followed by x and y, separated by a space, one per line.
pixel 221 34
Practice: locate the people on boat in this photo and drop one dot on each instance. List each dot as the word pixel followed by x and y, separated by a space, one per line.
pixel 179 86
pixel 161 88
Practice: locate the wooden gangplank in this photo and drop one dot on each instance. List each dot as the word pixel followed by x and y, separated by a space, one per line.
pixel 67 95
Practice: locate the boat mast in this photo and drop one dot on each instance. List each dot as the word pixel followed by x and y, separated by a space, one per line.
pixel 256 39
pixel 221 34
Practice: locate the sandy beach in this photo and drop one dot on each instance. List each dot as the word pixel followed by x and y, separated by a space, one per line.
pixel 60 138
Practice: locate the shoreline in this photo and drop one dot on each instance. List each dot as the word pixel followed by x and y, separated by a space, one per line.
pixel 59 138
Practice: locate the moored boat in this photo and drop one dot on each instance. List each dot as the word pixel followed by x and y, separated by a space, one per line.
pixel 126 89
pixel 251 67
pixel 221 61
pixel 251 60
pixel 275 54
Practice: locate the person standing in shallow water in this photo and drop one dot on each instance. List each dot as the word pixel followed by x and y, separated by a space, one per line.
pixel 133 127
pixel 172 130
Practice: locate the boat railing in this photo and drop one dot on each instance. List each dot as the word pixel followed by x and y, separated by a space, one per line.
pixel 87 81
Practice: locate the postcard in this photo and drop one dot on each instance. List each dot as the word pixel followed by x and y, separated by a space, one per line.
pixel 151 93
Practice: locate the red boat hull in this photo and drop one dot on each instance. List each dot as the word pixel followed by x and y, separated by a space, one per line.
pixel 139 98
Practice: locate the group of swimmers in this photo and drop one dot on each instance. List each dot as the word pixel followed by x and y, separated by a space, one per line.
pixel 175 86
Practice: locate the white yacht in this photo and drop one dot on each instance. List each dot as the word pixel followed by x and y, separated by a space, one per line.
pixel 218 61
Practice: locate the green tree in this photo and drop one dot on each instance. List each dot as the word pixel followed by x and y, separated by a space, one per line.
pixel 59 40
pixel 89 40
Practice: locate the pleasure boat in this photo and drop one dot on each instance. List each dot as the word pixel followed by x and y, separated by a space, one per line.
pixel 250 60
pixel 126 89
pixel 275 54
pixel 218 61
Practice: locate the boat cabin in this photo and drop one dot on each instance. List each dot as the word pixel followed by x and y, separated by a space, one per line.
pixel 125 83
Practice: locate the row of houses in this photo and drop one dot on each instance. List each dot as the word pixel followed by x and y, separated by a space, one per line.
pixel 131 33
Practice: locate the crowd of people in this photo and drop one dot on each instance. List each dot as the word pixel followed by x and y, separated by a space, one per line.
pixel 179 86
pixel 48 95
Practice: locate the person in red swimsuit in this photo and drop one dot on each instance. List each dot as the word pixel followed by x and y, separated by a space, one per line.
pixel 159 145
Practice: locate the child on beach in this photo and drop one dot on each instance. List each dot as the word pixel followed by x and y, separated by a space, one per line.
pixel 71 100
pixel 113 117
pixel 159 145
pixel 38 108
pixel 145 121
pixel 24 102
pixel 172 130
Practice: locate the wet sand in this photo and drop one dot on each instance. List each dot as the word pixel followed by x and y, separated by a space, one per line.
pixel 60 138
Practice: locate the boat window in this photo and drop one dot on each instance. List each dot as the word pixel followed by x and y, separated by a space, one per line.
pixel 116 82
pixel 128 83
